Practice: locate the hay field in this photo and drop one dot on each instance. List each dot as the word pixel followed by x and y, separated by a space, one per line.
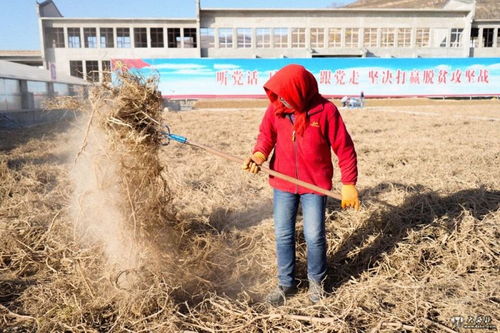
pixel 423 248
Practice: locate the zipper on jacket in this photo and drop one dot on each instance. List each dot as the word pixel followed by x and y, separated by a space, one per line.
pixel 296 157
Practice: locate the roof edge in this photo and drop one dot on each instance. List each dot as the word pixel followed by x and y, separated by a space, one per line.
pixel 120 18
pixel 343 9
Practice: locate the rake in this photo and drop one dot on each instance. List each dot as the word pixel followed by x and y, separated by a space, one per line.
pixel 167 136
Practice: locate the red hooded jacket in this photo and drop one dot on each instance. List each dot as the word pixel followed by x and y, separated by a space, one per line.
pixel 301 137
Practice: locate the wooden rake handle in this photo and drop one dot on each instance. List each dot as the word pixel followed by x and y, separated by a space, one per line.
pixel 269 171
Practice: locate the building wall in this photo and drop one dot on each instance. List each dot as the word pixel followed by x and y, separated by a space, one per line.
pixel 440 24
pixel 61 57
pixel 442 21
pixel 479 47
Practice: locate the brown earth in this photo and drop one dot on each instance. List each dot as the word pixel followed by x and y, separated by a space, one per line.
pixel 423 248
pixel 262 103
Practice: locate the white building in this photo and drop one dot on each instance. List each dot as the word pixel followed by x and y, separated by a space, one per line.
pixel 83 47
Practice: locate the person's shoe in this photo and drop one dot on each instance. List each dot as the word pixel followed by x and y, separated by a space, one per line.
pixel 316 291
pixel 278 295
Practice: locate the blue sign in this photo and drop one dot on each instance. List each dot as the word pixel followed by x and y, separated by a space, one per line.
pixel 337 77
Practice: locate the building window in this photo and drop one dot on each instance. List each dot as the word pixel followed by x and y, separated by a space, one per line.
pixel 351 37
pixel 298 37
pixel 61 89
pixel 440 37
pixel 387 37
pixel 498 37
pixel 263 37
pixel 174 37
pixel 74 38
pixel 334 37
pixel 75 90
pixel 123 37
pixel 92 70
pixel 107 37
pixel 190 38
pixel 317 36
pixel 10 95
pixel 280 37
pixel 244 37
pixel 106 70
pixel 225 38
pixel 156 35
pixel 54 37
pixel 76 68
pixel 140 37
pixel 404 37
pixel 370 37
pixel 456 37
pixel 474 37
pixel 207 37
pixel 90 37
pixel 38 94
pixel 422 37
pixel 488 37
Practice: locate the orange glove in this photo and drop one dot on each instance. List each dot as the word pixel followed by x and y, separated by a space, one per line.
pixel 253 163
pixel 350 197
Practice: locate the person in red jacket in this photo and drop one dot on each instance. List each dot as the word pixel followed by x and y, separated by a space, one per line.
pixel 301 128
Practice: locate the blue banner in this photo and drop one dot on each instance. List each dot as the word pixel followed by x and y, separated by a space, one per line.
pixel 337 77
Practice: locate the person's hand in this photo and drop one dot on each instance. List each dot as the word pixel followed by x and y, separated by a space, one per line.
pixel 252 164
pixel 350 197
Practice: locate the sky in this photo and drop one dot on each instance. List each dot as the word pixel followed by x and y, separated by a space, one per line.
pixel 19 20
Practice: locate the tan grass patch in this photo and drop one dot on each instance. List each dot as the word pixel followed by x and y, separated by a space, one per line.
pixel 423 248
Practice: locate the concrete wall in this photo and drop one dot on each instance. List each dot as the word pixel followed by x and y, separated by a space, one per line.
pixel 62 56
pixel 435 20
pixel 30 118
pixel 478 49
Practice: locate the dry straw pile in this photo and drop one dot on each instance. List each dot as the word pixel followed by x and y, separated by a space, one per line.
pixel 113 241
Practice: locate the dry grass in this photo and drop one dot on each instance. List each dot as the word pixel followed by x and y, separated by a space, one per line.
pixel 423 248
pixel 262 103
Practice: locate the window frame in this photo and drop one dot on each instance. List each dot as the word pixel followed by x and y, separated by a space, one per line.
pixel 260 39
pixel 225 38
pixel 456 37
pixel 106 70
pixel 107 42
pixel 387 35
pixel 92 73
pixel 173 38
pixel 54 37
pixel 317 38
pixel 406 34
pixel 157 37
pixel 354 37
pixel 334 32
pixel 372 41
pixel 420 34
pixel 123 40
pixel 89 37
pixel 280 40
pixel 298 36
pixel 488 39
pixel 207 40
pixel 140 37
pixel 74 40
pixel 244 43
pixel 190 38
pixel 74 71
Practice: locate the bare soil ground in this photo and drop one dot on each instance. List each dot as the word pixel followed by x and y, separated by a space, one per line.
pixel 257 103
pixel 423 248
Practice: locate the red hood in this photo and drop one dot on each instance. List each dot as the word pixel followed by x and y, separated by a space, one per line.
pixel 295 84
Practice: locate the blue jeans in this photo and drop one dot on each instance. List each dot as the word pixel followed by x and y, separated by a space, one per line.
pixel 285 213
